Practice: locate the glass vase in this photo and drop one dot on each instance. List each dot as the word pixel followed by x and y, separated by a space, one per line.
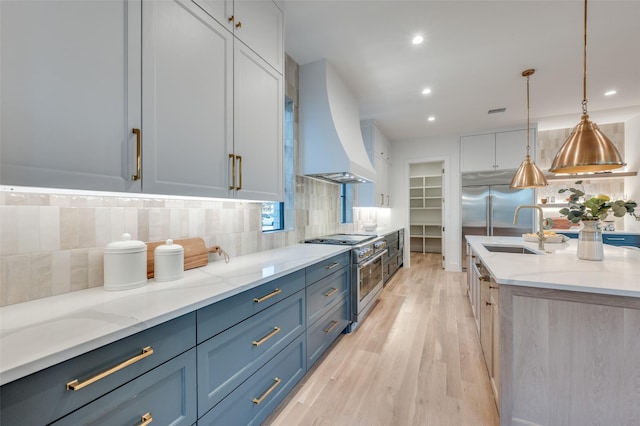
pixel 590 241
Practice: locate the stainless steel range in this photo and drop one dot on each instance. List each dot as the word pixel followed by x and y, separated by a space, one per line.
pixel 366 269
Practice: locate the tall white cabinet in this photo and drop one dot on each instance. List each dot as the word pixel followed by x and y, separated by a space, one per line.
pixel 70 93
pixel 376 194
pixel 153 96
pixel 426 207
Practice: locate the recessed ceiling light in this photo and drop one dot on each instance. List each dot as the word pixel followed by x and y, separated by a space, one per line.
pixel 426 91
pixel 431 118
pixel 610 92
pixel 417 39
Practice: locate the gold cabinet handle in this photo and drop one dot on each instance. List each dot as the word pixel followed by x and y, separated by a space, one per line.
pixel 230 18
pixel 275 331
pixel 233 171
pixel 276 382
pixel 146 419
pixel 138 153
pixel 268 296
pixel 494 287
pixel 77 385
pixel 239 157
pixel 331 292
pixel 333 325
pixel 239 24
pixel 333 265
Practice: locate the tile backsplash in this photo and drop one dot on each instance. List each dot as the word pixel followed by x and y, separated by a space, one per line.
pixel 52 243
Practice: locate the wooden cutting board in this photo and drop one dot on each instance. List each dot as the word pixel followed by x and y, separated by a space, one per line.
pixel 196 253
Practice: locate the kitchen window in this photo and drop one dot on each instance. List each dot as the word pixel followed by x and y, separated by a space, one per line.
pixel 275 215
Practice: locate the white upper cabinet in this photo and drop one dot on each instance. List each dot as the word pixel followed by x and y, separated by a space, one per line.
pixel 79 76
pixel 70 93
pixel 511 148
pixel 495 151
pixel 258 128
pixel 378 147
pixel 257 23
pixel 187 101
pixel 212 109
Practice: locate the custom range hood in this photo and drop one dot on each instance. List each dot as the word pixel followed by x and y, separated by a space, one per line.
pixel 331 144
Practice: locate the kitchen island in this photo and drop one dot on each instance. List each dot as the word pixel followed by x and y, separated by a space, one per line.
pixel 569 333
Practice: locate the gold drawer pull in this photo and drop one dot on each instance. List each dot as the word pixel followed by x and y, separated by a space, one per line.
pixel 146 419
pixel 233 171
pixel 138 154
pixel 275 292
pixel 275 384
pixel 275 331
pixel 76 385
pixel 331 292
pixel 333 325
pixel 333 265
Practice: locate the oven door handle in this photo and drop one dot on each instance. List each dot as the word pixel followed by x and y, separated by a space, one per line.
pixel 373 259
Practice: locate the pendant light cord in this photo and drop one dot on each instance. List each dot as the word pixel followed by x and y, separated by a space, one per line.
pixel 528 131
pixel 584 64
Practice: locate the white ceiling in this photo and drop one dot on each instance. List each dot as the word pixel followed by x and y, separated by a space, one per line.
pixel 472 59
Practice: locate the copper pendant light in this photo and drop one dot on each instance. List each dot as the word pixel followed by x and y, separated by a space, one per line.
pixel 587 149
pixel 528 174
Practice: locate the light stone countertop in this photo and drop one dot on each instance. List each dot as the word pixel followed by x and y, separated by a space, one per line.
pixel 559 267
pixel 38 334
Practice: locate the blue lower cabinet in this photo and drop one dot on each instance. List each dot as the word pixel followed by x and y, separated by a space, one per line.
pixel 222 315
pixel 50 394
pixel 253 400
pixel 325 293
pixel 322 333
pixel 165 395
pixel 627 240
pixel 229 358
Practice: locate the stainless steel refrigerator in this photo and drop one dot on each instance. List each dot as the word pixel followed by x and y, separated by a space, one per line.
pixel 488 206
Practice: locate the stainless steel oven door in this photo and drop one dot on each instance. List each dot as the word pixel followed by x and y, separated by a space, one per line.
pixel 368 285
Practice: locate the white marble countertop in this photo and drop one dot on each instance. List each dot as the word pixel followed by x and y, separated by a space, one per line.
pixel 559 267
pixel 38 334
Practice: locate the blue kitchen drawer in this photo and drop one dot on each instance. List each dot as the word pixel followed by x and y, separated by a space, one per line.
pixel 322 334
pixel 221 315
pixel 327 267
pixel 324 294
pixel 166 394
pixel 256 398
pixel 42 397
pixel 229 358
pixel 616 239
pixel 621 240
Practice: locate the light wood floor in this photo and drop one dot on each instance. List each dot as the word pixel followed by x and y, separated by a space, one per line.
pixel 416 360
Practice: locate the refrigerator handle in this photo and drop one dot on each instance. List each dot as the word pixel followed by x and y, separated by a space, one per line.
pixel 489 215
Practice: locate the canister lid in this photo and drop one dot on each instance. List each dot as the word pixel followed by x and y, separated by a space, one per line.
pixel 169 248
pixel 126 245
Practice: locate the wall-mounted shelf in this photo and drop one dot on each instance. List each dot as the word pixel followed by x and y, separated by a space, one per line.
pixel 609 175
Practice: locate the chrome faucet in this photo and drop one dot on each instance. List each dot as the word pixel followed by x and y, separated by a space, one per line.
pixel 541 238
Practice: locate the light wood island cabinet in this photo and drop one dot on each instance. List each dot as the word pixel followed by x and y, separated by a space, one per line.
pixel 568 349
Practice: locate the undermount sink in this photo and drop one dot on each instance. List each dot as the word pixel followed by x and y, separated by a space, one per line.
pixel 509 249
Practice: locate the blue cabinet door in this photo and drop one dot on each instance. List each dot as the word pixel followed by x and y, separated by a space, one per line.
pixel 224 314
pixel 322 334
pixel 164 395
pixel 324 294
pixel 43 397
pixel 229 358
pixel 254 400
pixel 327 267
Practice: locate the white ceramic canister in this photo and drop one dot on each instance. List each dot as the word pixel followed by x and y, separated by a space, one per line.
pixel 125 264
pixel 168 262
